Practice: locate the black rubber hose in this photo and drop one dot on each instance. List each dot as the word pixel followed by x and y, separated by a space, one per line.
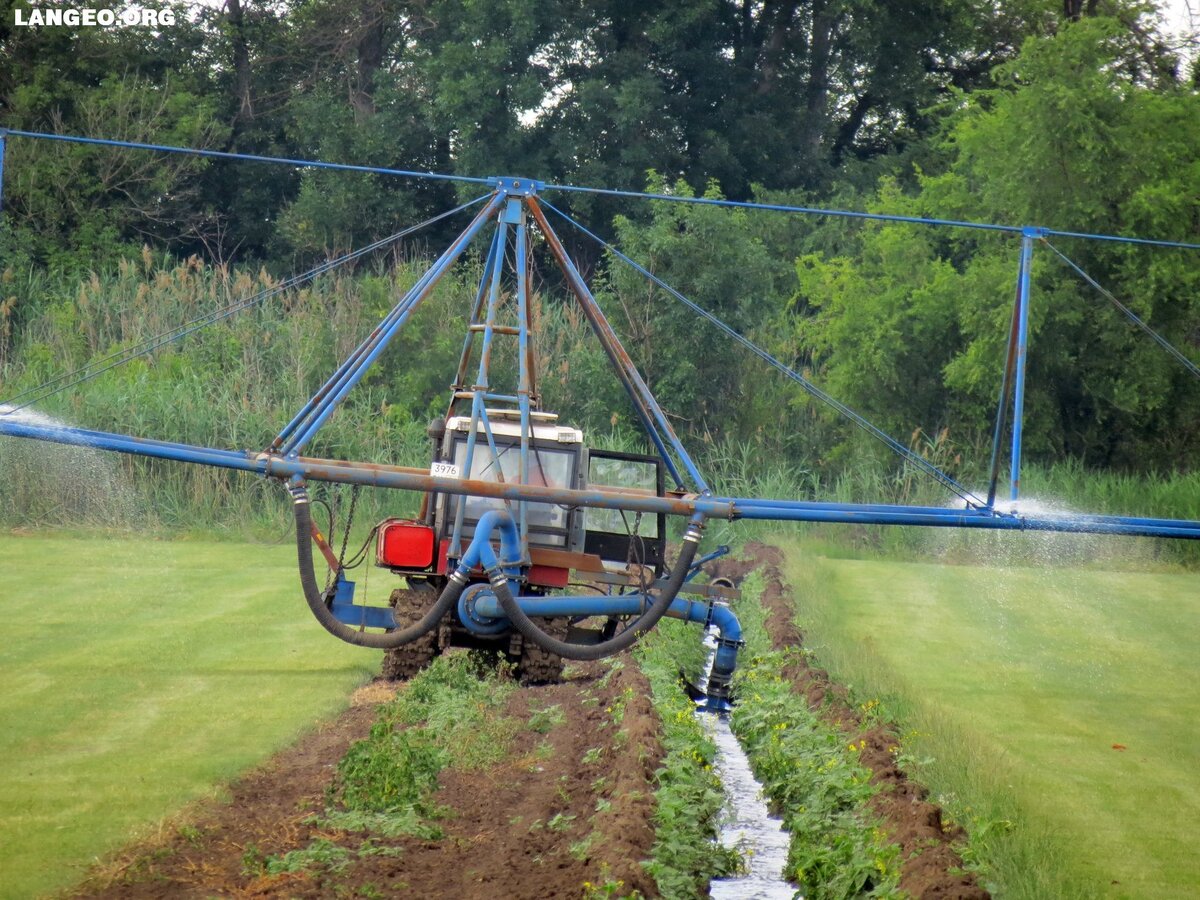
pixel 316 601
pixel 624 640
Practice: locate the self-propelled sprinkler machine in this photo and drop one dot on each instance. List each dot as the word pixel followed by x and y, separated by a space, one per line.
pixel 529 541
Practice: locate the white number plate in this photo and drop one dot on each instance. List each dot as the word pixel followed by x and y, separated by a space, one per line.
pixel 444 470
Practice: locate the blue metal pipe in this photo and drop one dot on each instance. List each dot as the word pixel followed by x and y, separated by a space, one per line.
pixel 1027 237
pixel 396 477
pixel 745 508
pixel 870 507
pixel 485 615
pixel 325 405
pixel 487 606
pixel 698 564
pixel 120 443
pixel 480 552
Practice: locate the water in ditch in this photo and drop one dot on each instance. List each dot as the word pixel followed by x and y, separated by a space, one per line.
pixel 747 824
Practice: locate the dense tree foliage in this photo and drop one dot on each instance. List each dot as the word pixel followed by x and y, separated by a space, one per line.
pixel 1074 136
pixel 1072 115
pixel 781 93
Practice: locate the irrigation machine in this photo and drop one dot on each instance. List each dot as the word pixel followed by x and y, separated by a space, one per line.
pixel 528 540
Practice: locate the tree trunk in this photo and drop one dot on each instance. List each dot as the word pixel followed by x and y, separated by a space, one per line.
pixel 370 48
pixel 816 95
pixel 241 63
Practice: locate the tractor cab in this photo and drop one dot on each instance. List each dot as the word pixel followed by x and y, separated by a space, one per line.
pixel 558 538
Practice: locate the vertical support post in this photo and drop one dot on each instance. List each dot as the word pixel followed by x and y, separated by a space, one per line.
pixel 1027 236
pixel 524 386
pixel 1010 364
pixel 482 380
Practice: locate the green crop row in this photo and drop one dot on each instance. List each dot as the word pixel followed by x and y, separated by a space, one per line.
pixel 449 714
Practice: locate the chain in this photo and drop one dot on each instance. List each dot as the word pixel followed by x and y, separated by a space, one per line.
pixel 349 524
pixel 346 536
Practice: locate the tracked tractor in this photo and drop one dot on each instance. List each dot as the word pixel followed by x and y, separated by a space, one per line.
pixel 619 557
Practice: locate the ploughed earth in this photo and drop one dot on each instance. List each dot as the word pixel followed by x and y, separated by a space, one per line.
pixel 566 813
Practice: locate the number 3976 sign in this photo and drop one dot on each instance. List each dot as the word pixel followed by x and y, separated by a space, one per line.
pixel 444 470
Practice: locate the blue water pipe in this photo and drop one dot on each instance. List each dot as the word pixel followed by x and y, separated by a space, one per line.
pixel 481 610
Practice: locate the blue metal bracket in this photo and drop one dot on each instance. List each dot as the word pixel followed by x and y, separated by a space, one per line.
pixel 350 613
pixel 514 212
pixel 515 186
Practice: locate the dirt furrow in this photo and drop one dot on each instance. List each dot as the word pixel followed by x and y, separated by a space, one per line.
pixel 570 804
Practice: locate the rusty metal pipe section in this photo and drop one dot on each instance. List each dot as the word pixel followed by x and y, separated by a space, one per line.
pixel 384 476
pixel 373 475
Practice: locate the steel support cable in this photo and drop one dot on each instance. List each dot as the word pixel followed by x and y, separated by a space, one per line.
pixel 856 214
pixel 248 157
pixel 33 395
pixel 608 192
pixel 1132 316
pixel 904 452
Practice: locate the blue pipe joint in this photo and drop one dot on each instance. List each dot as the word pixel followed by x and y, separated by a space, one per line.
pixel 475 621
pixel 725 660
pixel 481 552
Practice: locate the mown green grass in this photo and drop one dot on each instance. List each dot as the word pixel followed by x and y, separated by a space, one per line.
pixel 139 676
pixel 1023 684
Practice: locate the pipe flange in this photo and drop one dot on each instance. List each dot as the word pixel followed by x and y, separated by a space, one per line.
pixel 474 621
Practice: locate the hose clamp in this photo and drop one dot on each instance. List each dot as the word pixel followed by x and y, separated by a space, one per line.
pixel 459 577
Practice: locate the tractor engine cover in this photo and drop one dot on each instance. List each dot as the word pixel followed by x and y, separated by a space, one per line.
pixel 404 544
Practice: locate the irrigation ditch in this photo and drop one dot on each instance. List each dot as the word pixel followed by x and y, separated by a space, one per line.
pixel 462 783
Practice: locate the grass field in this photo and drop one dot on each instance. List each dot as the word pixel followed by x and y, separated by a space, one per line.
pixel 138 675
pixel 1060 703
